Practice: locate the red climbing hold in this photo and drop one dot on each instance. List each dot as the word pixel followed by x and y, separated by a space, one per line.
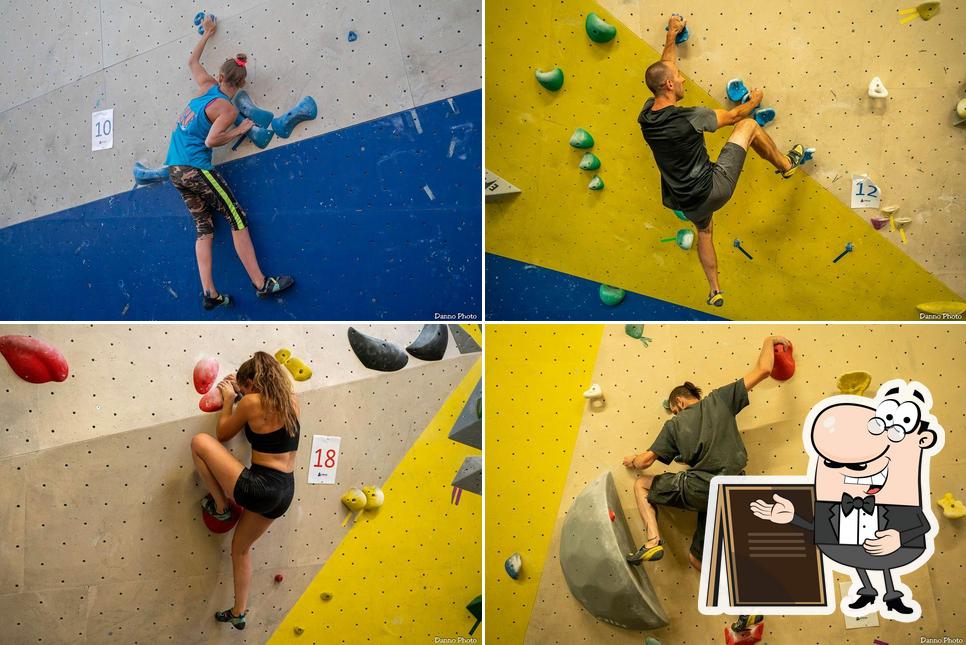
pixel 611 513
pixel 212 401
pixel 279 577
pixel 206 371
pixel 747 637
pixel 33 360
pixel 223 526
pixel 784 363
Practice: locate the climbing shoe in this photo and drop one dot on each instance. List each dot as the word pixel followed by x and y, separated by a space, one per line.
pixel 208 503
pixel 716 299
pixel 238 622
pixel 274 285
pixel 795 155
pixel 746 622
pixel 223 300
pixel 646 553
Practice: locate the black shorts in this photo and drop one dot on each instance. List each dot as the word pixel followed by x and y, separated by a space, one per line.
pixel 688 491
pixel 265 491
pixel 724 179
pixel 205 192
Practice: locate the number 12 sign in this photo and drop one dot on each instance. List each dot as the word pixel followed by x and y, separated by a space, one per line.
pixel 324 459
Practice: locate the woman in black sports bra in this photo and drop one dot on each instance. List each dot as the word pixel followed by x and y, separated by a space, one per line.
pixel 266 408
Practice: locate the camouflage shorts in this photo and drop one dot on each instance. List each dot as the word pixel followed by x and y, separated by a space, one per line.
pixel 204 192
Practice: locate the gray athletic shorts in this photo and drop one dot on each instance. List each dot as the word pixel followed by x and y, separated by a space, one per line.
pixel 725 173
pixel 684 489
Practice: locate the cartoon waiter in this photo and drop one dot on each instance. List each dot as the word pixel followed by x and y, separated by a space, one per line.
pixel 870 465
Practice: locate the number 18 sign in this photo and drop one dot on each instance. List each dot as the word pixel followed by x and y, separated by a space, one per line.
pixel 324 460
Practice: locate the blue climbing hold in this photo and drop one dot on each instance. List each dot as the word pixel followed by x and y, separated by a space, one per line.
pixel 257 135
pixel 248 109
pixel 144 175
pixel 737 91
pixel 763 116
pixel 353 37
pixel 683 35
pixel 305 110
pixel 200 18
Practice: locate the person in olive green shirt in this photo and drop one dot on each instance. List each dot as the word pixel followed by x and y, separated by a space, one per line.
pixel 703 433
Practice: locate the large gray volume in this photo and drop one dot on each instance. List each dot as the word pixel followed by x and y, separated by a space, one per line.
pixel 464 342
pixel 468 428
pixel 592 549
pixel 375 353
pixel 470 475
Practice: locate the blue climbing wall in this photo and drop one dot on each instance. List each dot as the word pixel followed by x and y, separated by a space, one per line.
pixel 377 221
pixel 519 291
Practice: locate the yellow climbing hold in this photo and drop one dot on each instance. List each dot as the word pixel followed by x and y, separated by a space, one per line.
pixel 952 507
pixel 940 307
pixel 300 371
pixel 854 383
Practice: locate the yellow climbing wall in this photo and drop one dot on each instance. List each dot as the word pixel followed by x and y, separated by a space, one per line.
pixel 532 418
pixel 406 572
pixel 814 61
pixel 792 228
pixel 635 380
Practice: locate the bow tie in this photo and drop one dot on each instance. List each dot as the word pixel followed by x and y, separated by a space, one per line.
pixel 850 503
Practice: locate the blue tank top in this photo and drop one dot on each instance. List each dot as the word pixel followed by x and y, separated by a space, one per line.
pixel 188 139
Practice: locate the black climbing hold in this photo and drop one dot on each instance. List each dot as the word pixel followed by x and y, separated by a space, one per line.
pixel 377 354
pixel 430 345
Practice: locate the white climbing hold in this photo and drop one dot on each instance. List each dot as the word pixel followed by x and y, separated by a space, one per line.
pixel 876 89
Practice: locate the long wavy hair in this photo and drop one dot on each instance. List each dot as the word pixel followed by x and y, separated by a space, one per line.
pixel 272 383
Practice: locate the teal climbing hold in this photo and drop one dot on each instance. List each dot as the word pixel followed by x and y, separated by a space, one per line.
pixel 581 139
pixel 596 183
pixel 589 162
pixel 637 331
pixel 552 80
pixel 599 30
pixel 681 216
pixel 611 296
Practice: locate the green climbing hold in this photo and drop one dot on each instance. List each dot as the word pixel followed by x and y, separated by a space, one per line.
pixel 637 331
pixel 552 80
pixel 681 216
pixel 599 30
pixel 589 162
pixel 596 183
pixel 479 408
pixel 581 139
pixel 611 296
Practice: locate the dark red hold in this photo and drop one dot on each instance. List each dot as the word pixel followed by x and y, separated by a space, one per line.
pixel 784 363
pixel 279 577
pixel 611 513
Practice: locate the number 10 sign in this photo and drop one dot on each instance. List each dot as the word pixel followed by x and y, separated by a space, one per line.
pixel 324 459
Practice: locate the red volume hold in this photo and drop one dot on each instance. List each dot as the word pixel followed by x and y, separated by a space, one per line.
pixel 33 360
pixel 206 371
pixel 784 366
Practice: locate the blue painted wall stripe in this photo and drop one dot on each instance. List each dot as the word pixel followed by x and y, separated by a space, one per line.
pixel 519 291
pixel 346 213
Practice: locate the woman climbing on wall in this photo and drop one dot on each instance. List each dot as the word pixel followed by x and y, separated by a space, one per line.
pixel 268 411
pixel 208 121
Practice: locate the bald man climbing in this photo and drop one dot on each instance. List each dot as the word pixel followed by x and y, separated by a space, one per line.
pixel 690 181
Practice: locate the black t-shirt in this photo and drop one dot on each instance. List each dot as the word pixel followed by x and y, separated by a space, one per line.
pixel 676 137
pixel 705 435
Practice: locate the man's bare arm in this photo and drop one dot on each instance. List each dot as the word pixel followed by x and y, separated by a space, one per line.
pixel 732 116
pixel 675 25
pixel 766 361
